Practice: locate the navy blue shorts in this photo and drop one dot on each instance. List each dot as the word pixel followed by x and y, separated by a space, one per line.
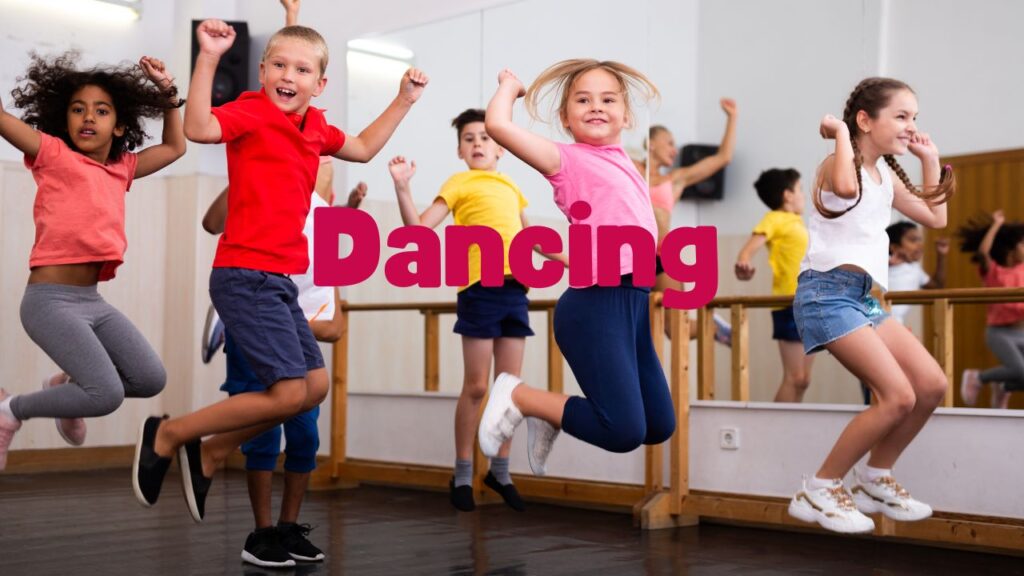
pixel 261 311
pixel 496 312
pixel 784 325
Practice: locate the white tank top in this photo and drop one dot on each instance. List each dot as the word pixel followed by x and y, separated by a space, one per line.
pixel 857 237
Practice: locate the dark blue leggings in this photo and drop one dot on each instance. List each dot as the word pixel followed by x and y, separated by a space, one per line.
pixel 605 335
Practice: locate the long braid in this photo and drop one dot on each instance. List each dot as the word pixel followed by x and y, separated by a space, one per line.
pixel 938 195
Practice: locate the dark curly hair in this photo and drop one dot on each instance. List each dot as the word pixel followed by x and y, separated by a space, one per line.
pixel 45 91
pixel 1010 234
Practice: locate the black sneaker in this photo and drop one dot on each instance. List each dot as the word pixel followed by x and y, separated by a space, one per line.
pixel 148 469
pixel 293 539
pixel 461 496
pixel 263 548
pixel 193 483
pixel 508 492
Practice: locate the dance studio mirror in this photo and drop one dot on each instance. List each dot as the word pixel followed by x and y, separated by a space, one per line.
pixel 783 69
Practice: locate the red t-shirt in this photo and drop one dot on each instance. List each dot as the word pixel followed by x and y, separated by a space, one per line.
pixel 273 159
pixel 79 208
pixel 1005 313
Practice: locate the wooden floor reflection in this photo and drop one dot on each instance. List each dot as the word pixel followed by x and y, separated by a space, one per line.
pixel 89 523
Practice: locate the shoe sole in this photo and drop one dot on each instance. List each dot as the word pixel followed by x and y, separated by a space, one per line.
pixel 488 444
pixel 964 391
pixel 804 512
pixel 538 469
pixel 186 485
pixel 300 558
pixel 247 557
pixel 46 385
pixel 135 466
pixel 868 505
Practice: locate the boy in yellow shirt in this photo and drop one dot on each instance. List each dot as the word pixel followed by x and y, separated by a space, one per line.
pixel 493 321
pixel 783 230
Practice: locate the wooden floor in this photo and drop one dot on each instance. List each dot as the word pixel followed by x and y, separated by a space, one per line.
pixel 89 523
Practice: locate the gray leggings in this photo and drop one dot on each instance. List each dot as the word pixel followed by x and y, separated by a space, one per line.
pixel 106 356
pixel 1007 343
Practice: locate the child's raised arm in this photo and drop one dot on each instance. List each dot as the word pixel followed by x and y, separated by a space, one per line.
pixel 912 205
pixel 838 174
pixel 215 37
pixel 706 167
pixel 744 269
pixel 367 144
pixel 402 172
pixel 20 135
pixel 537 151
pixel 291 12
pixel 985 247
pixel 172 145
pixel 938 277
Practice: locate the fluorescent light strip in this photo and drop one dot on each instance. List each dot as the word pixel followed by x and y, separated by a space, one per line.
pixel 94 10
pixel 382 49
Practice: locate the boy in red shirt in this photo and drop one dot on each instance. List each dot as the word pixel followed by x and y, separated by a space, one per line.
pixel 274 141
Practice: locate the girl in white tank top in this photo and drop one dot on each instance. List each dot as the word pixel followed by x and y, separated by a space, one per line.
pixel 848 252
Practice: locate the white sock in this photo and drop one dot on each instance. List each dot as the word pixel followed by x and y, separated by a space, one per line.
pixel 869 474
pixel 815 483
pixel 5 408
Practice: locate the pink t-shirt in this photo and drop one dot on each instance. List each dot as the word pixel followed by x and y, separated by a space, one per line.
pixel 1006 313
pixel 79 208
pixel 605 178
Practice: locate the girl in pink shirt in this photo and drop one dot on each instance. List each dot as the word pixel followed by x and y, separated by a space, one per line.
pixel 602 321
pixel 998 249
pixel 77 133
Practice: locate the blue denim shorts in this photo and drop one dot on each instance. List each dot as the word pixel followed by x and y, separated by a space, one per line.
pixel 830 305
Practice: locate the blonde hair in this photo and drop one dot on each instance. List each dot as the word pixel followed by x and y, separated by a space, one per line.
pixel 559 78
pixel 304 33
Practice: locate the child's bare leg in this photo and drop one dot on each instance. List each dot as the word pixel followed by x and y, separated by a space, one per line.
pixel 476 357
pixel 864 353
pixel 796 372
pixel 928 381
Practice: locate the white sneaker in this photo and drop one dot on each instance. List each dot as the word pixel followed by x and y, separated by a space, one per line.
pixel 540 437
pixel 500 418
pixel 885 495
pixel 8 426
pixel 72 430
pixel 970 385
pixel 830 507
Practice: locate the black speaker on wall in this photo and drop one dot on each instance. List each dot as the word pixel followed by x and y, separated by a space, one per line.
pixel 232 76
pixel 711 189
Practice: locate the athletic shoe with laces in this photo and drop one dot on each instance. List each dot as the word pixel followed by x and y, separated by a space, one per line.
pixel 263 548
pixel 72 430
pixel 830 507
pixel 540 438
pixel 885 495
pixel 501 417
pixel 8 426
pixel 293 539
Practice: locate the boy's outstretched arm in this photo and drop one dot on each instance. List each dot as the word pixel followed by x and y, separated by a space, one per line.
pixel 367 144
pixel 402 172
pixel 744 269
pixel 215 37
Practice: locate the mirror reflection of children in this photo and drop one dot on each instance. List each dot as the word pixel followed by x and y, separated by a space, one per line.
pixel 998 249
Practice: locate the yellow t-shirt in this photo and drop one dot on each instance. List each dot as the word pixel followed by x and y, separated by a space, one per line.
pixel 484 198
pixel 787 244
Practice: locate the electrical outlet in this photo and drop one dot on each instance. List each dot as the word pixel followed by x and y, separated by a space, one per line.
pixel 729 438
